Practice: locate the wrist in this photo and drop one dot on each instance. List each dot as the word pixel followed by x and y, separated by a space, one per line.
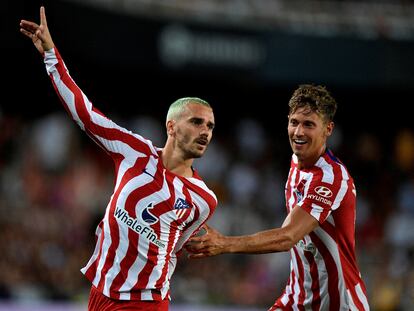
pixel 231 244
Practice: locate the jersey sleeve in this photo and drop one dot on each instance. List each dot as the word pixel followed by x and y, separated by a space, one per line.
pixel 107 134
pixel 322 197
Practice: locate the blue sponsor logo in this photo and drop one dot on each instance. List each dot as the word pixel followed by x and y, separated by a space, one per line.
pixel 181 204
pixel 147 216
pixel 136 225
pixel 299 195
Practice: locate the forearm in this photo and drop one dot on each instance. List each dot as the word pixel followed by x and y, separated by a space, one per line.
pixel 269 241
pixel 71 96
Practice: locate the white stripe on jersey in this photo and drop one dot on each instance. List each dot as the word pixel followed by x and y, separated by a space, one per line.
pixel 129 160
pixel 122 249
pixel 296 289
pixel 288 289
pixel 135 269
pixel 143 244
pixel 361 296
pixel 295 158
pixel 352 305
pixel 307 282
pixel 98 234
pixel 323 284
pixel 178 189
pixel 51 61
pixel 332 247
pixel 342 191
pixel 309 177
pixel 201 184
pixel 204 213
pixel 161 256
pixel 327 170
pixel 316 211
pixel 107 240
pixel 292 187
pixel 164 232
pixel 159 196
pixel 124 142
pixel 171 268
pixel 69 98
pixel 330 219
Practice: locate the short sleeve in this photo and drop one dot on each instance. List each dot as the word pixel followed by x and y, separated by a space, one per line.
pixel 319 198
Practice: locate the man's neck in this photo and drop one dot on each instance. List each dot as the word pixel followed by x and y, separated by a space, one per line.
pixel 175 163
pixel 310 162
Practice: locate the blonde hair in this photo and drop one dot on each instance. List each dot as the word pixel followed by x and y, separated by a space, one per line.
pixel 177 107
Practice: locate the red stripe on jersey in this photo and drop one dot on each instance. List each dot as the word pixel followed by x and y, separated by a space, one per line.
pixel 289 193
pixel 91 271
pixel 80 105
pixel 339 178
pixel 332 269
pixel 143 191
pixel 357 302
pixel 339 271
pixel 114 231
pixel 292 283
pixel 188 211
pixel 330 229
pixel 133 237
pixel 196 212
pixel 316 298
pixel 125 265
pixel 172 233
pixel 104 269
pixel 161 174
pixel 145 273
pixel 300 279
pixel 317 179
pixel 86 117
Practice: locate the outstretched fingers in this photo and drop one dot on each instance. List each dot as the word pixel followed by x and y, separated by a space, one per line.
pixel 28 26
pixel 26 33
pixel 43 16
pixel 39 34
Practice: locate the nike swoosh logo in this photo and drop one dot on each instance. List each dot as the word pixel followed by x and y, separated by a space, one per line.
pixel 145 171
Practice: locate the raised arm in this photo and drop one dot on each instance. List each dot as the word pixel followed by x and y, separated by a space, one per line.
pixel 296 225
pixel 39 34
pixel 103 131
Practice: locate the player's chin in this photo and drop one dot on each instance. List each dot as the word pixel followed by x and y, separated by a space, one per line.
pixel 199 152
pixel 298 149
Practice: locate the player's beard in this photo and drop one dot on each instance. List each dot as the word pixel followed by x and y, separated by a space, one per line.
pixel 190 151
pixel 188 147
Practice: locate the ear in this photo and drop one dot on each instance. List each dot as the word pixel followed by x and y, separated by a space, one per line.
pixel 329 128
pixel 170 127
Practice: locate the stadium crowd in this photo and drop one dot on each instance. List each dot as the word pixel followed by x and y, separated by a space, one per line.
pixel 55 183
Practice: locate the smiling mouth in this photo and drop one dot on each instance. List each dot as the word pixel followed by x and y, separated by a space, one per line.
pixel 299 141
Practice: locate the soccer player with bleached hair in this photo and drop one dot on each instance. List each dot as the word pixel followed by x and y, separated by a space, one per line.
pixel 159 200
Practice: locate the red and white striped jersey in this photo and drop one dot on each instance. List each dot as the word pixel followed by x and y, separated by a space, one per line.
pixel 151 213
pixel 324 274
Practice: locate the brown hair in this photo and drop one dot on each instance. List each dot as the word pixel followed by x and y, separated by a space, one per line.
pixel 315 97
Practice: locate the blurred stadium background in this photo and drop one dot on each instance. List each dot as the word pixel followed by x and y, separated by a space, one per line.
pixel 133 58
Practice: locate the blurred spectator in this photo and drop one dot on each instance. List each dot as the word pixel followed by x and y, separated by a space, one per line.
pixel 43 182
